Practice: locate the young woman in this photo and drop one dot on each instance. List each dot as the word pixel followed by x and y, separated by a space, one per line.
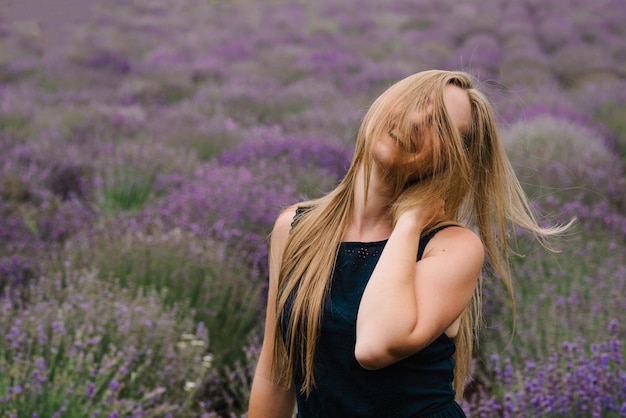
pixel 374 293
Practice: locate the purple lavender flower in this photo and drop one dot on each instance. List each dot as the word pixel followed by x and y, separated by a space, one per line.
pixel 109 61
pixel 570 382
pixel 90 390
pixel 114 385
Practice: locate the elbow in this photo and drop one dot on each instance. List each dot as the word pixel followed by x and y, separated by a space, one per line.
pixel 374 354
pixel 371 357
pixel 368 361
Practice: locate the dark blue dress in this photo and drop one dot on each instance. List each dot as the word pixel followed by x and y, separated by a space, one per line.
pixel 417 386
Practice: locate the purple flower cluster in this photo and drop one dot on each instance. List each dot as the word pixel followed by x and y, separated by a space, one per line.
pixel 236 199
pixel 309 155
pixel 577 380
pixel 16 275
pixel 95 350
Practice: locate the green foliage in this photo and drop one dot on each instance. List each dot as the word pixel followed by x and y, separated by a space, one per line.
pixel 15 125
pixel 47 83
pixel 613 116
pixel 14 189
pixel 125 189
pixel 574 292
pixel 208 147
pixel 266 110
pixel 95 347
pixel 555 157
pixel 183 269
pixel 155 90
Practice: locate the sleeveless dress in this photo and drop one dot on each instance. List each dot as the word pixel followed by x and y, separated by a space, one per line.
pixel 417 386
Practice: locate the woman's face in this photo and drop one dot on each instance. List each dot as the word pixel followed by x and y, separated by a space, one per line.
pixel 391 154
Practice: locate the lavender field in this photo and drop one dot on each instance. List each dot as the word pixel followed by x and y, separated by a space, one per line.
pixel 145 155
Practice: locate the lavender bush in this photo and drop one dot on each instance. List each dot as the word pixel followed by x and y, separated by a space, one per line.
pixel 95 350
pixel 237 199
pixel 145 160
pixel 16 274
pixel 180 267
pixel 577 166
pixel 577 380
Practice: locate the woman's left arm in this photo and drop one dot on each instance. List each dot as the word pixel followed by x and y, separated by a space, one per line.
pixel 407 304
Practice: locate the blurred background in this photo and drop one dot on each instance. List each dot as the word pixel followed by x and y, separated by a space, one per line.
pixel 146 147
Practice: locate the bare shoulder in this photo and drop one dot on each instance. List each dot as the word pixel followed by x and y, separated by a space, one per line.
pixel 282 226
pixel 278 241
pixel 456 240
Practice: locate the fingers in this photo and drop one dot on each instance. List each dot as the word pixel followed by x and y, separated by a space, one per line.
pixel 417 201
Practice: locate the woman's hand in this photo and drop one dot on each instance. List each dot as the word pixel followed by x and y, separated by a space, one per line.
pixel 416 204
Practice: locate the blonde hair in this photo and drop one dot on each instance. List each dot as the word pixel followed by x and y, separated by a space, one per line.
pixel 469 170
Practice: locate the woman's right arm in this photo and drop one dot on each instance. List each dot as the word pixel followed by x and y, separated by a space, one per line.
pixel 267 399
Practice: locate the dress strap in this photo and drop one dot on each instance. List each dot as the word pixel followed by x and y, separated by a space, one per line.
pixel 424 239
pixel 300 210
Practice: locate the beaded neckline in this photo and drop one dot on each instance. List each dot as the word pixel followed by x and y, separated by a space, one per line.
pixel 363 244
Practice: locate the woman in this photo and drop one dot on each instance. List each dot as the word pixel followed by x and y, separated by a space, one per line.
pixel 374 293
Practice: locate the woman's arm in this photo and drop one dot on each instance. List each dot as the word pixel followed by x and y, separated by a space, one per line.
pixel 407 305
pixel 267 399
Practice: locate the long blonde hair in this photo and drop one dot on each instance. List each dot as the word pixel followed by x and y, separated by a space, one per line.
pixel 470 170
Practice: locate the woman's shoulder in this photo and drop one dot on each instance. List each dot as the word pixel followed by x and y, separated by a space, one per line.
pixel 290 216
pixel 280 231
pixel 456 237
pixel 284 220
